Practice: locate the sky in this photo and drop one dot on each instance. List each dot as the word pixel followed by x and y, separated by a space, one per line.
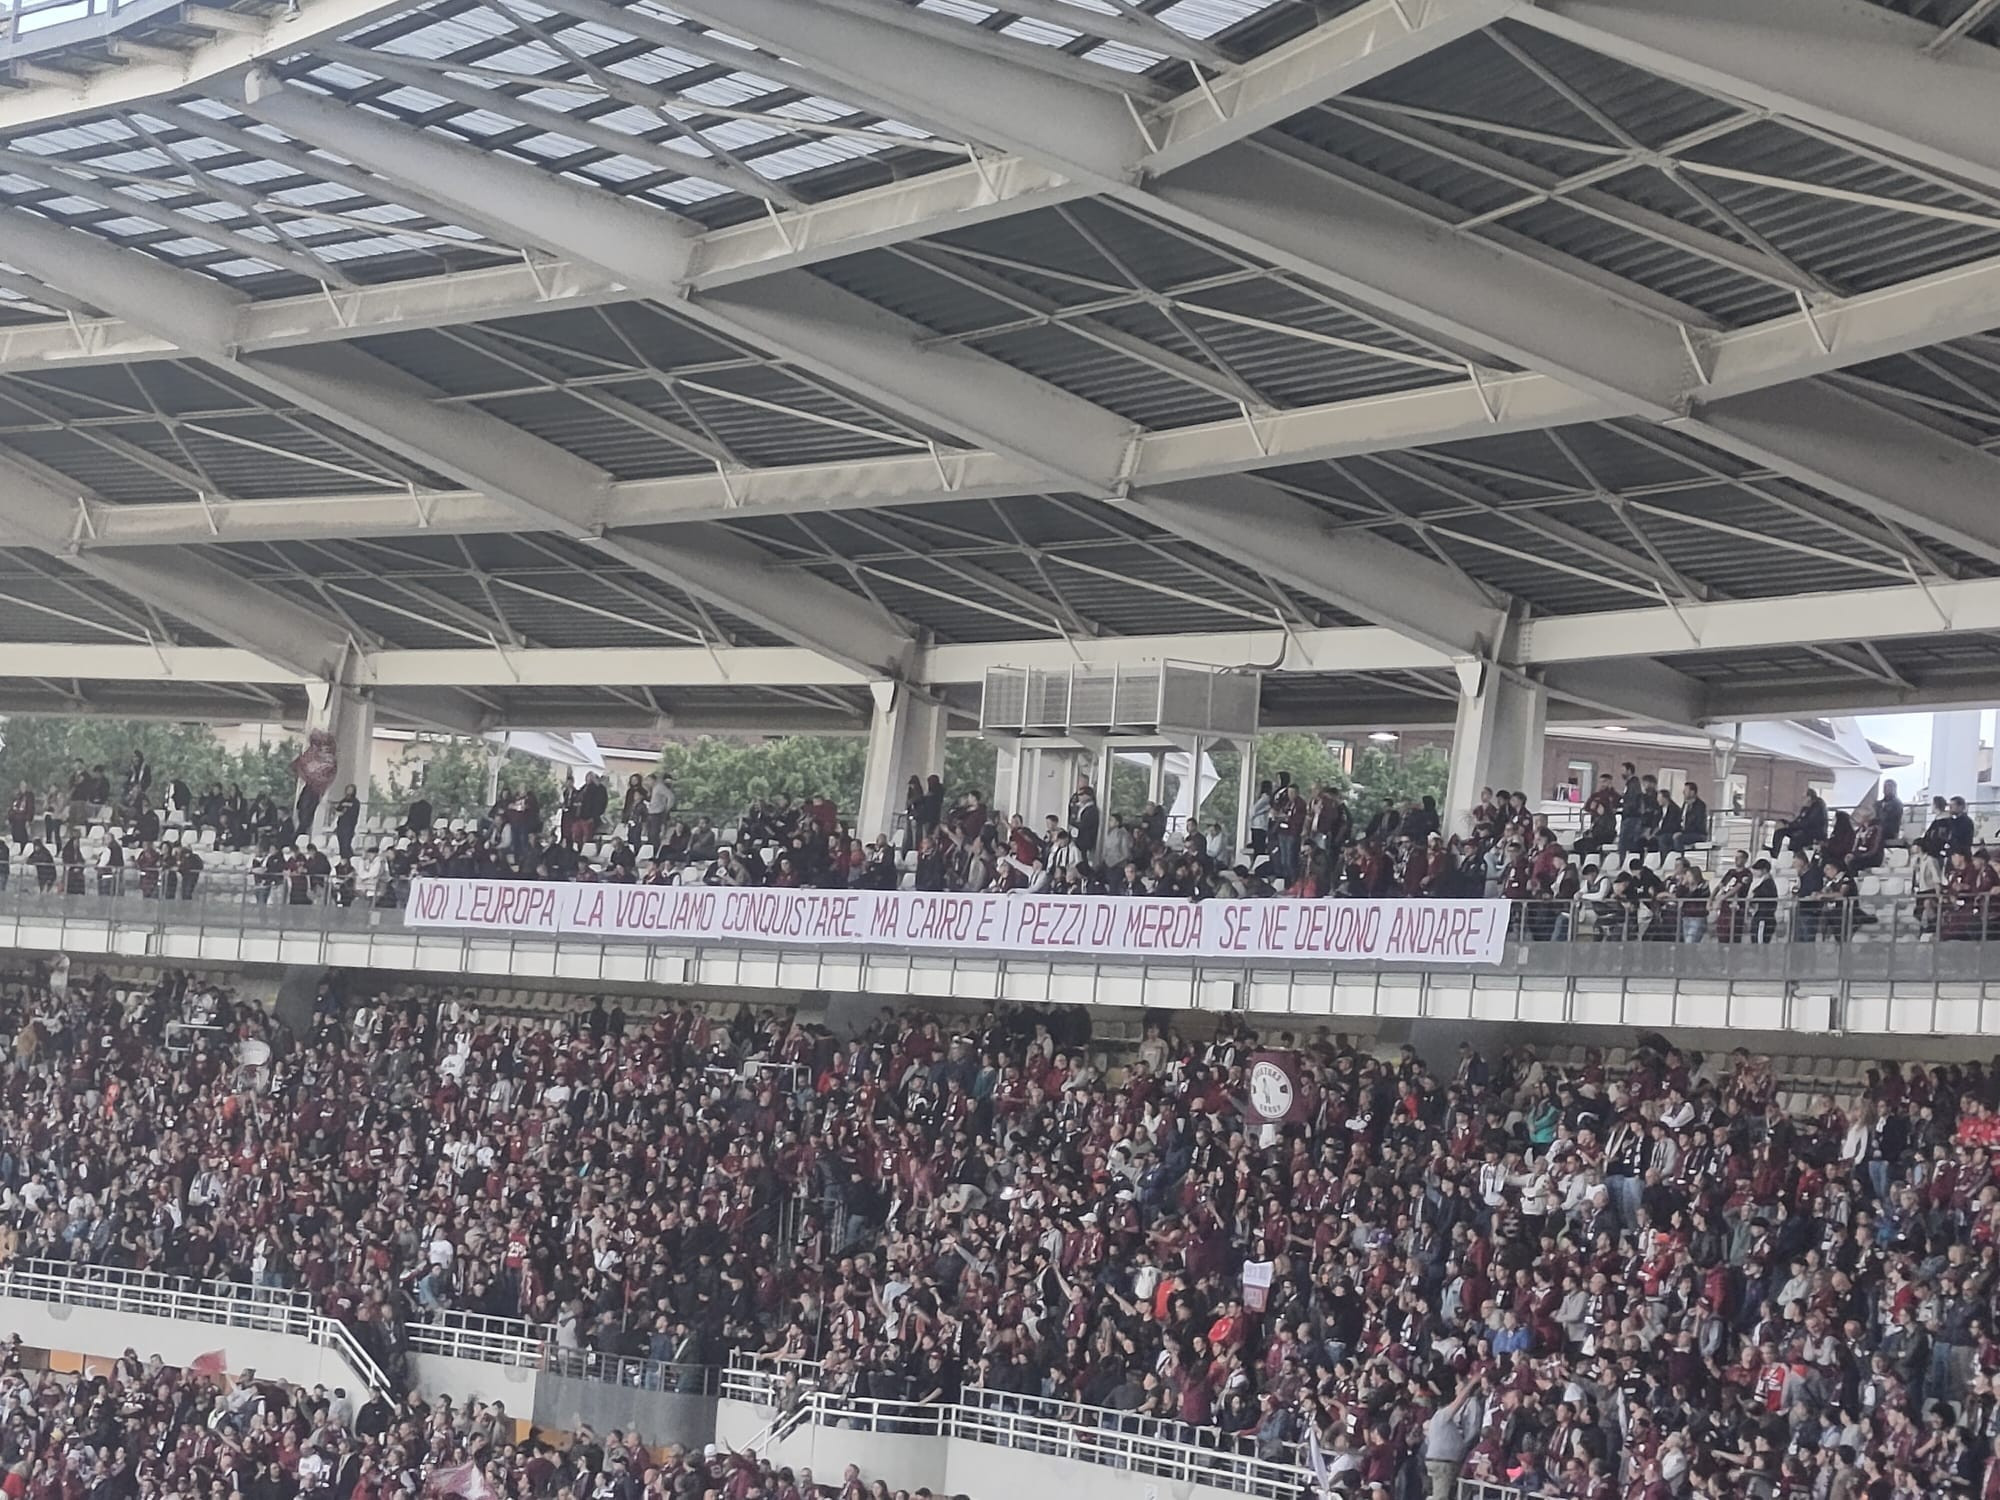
pixel 1911 734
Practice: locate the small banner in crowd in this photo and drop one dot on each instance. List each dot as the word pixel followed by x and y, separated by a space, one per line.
pixel 1275 1095
pixel 1426 932
pixel 1256 1285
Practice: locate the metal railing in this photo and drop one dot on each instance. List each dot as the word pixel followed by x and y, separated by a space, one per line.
pixel 227 1304
pixel 635 1372
pixel 1158 1447
pixel 1924 937
pixel 1124 1440
pixel 25 17
pixel 480 1337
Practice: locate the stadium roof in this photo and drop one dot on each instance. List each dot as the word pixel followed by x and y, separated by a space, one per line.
pixel 590 365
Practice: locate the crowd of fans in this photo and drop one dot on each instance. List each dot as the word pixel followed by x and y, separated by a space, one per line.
pixel 141 1430
pixel 1580 1282
pixel 1642 865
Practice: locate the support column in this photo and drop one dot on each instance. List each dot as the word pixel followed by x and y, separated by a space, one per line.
pixel 1496 742
pixel 905 739
pixel 350 718
pixel 1955 753
pixel 1246 794
pixel 1010 769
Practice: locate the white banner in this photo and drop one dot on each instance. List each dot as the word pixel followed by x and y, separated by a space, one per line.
pixel 1459 932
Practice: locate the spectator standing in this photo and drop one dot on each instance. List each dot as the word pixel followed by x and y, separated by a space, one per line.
pixel 659 802
pixel 1449 1435
pixel 1085 820
pixel 346 817
pixel 21 813
pixel 1631 813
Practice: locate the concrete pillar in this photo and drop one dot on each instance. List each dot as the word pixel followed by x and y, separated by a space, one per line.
pixel 905 739
pixel 1496 742
pixel 1955 754
pixel 1101 778
pixel 1246 794
pixel 350 718
pixel 1048 776
pixel 1010 765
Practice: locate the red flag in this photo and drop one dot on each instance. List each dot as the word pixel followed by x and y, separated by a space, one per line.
pixel 1276 1093
pixel 316 764
pixel 215 1362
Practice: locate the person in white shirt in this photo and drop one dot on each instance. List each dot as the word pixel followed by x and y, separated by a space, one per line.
pixel 1063 855
pixel 660 801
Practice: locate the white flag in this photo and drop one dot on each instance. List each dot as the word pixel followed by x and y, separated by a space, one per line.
pixel 1316 1461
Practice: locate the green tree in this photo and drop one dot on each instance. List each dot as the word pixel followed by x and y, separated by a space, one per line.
pixel 1380 775
pixel 40 749
pixel 261 770
pixel 720 777
pixel 1306 756
pixel 970 763
pixel 452 774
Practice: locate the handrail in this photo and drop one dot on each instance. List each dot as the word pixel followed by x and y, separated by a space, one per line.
pixel 1063 1429
pixel 481 1337
pixel 1052 1427
pixel 256 1308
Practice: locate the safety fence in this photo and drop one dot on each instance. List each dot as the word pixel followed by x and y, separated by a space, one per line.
pixel 1032 1424
pixel 143 1294
pixel 1926 937
pixel 1156 1447
pixel 448 1333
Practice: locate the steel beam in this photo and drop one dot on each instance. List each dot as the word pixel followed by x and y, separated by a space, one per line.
pixel 238 40
pixel 1257 525
pixel 1885 463
pixel 337 381
pixel 928 78
pixel 1850 67
pixel 643 247
pixel 142 700
pixel 181 582
pixel 889 362
pixel 1363 244
pixel 1340 429
pixel 808 322
pixel 721 568
pixel 1955 687
pixel 1912 611
pixel 1366 245
pixel 1618 641
pixel 534 482
pixel 1635 689
pixel 1342 53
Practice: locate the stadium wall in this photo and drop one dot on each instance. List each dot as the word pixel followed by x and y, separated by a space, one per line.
pixel 103 1332
pixel 660 1418
pixel 947 1465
